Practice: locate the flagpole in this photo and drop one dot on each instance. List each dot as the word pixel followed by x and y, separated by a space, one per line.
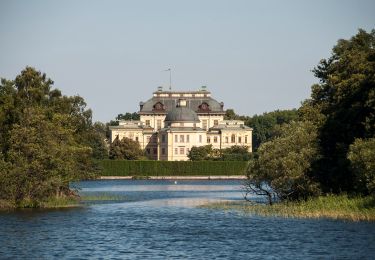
pixel 170 80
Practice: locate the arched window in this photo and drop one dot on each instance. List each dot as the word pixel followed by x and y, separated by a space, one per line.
pixel 233 138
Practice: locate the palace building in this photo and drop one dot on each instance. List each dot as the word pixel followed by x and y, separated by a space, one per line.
pixel 172 122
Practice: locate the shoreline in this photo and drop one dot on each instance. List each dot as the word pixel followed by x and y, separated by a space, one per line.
pixel 211 177
pixel 338 207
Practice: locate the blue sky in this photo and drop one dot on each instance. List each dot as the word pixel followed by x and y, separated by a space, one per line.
pixel 255 56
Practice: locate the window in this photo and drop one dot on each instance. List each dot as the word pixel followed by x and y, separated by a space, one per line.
pixel 182 150
pixel 137 138
pixel 239 139
pixel 155 150
pixel 204 124
pixel 163 138
pixel 187 151
pixel 182 139
pixel 175 150
pixel 176 138
pixel 215 139
pixel 246 139
pixel 148 150
pixel 147 122
pixel 233 139
pixel 227 139
pixel 158 124
pixel 163 151
pixel 216 122
pixel 208 139
pixel 187 138
pixel 200 138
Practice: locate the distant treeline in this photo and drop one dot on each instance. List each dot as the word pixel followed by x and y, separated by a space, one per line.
pixel 172 168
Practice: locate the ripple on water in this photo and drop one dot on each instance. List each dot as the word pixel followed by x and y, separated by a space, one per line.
pixel 159 220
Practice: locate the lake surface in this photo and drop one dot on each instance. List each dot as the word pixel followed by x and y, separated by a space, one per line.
pixel 160 220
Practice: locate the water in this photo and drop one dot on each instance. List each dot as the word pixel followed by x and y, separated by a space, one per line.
pixel 161 220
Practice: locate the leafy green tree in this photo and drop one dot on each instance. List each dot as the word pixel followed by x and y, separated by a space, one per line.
pixel 263 125
pixel 126 149
pixel 282 169
pixel 128 116
pixel 344 104
pixel 362 157
pixel 43 147
pixel 200 153
pixel 235 153
pixel 96 139
pixel 231 115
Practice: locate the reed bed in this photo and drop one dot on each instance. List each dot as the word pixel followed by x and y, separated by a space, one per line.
pixel 332 206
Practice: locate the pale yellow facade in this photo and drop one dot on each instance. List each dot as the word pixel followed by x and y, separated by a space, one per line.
pixel 172 140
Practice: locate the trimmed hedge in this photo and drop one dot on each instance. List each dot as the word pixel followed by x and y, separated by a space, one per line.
pixel 172 168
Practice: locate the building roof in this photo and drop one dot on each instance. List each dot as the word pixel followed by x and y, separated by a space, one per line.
pixel 164 101
pixel 182 114
pixel 182 129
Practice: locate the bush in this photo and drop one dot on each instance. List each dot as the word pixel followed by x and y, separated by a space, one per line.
pixel 172 168
pixel 362 157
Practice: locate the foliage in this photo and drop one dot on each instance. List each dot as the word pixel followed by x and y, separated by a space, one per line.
pixel 362 157
pixel 281 171
pixel 344 107
pixel 126 149
pixel 128 116
pixel 200 153
pixel 264 125
pixel 42 139
pixel 330 206
pixel 235 153
pixel 172 168
pixel 231 115
pixel 97 141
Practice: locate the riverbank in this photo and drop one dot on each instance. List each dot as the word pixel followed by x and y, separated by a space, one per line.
pixel 334 207
pixel 212 177
pixel 61 202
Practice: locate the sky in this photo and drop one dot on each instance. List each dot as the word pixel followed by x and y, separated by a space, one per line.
pixel 255 56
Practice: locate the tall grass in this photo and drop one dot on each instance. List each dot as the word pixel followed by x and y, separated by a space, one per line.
pixel 59 202
pixel 331 206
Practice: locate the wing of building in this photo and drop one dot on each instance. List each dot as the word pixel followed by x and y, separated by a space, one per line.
pixel 172 122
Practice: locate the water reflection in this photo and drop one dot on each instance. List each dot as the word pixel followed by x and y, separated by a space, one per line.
pixel 160 220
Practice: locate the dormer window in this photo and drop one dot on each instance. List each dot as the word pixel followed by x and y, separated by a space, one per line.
pixel 158 107
pixel 204 107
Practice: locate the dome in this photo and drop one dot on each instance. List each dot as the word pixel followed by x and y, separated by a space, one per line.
pixel 182 114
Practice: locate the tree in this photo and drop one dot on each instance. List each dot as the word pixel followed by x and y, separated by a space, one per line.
pixel 235 153
pixel 362 158
pixel 282 169
pixel 126 149
pixel 97 140
pixel 344 104
pixel 231 115
pixel 128 116
pixel 263 125
pixel 43 147
pixel 200 153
